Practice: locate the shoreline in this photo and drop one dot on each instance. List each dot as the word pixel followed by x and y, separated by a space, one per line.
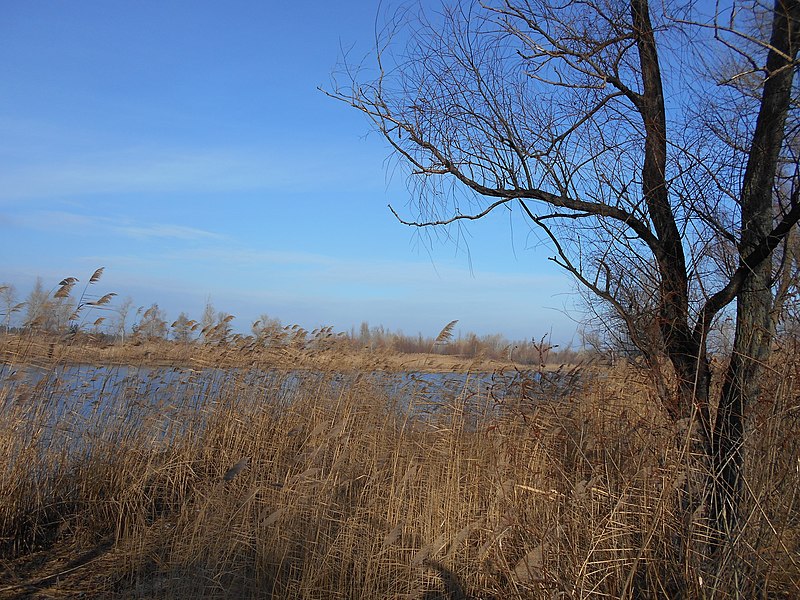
pixel 18 349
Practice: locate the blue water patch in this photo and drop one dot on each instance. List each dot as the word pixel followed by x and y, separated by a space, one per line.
pixel 73 401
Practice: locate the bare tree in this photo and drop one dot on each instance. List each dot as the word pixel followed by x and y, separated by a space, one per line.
pixel 268 331
pixel 217 328
pixel 208 321
pixel 36 304
pixel 48 311
pixel 183 328
pixel 787 289
pixel 8 299
pixel 58 310
pixel 152 325
pixel 654 180
pixel 364 337
pixel 121 319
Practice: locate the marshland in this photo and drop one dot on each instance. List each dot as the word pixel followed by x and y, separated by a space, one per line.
pixel 625 173
pixel 216 470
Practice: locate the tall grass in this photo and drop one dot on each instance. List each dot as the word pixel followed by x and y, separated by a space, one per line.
pixel 299 484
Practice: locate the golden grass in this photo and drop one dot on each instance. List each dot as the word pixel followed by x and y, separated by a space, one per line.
pixel 240 483
pixel 334 354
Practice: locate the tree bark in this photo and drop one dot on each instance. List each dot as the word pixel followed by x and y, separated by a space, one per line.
pixel 685 352
pixel 754 324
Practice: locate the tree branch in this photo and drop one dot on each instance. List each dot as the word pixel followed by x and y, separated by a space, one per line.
pixel 762 251
pixel 474 217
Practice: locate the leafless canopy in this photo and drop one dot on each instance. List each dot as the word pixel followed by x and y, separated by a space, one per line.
pixel 655 146
pixel 630 161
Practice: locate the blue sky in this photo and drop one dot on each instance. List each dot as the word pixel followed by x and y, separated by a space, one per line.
pixel 185 147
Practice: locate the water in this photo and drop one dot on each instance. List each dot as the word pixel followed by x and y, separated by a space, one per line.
pixel 77 400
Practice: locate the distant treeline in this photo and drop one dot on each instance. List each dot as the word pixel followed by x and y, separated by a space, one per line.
pixel 467 345
pixel 108 320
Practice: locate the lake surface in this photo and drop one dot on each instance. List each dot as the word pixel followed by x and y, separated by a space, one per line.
pixel 80 385
pixel 80 399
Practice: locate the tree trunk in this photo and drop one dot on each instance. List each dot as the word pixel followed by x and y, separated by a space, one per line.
pixel 754 325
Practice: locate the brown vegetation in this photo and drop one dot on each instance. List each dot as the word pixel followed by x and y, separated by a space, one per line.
pixel 231 483
pixel 59 324
pixel 319 350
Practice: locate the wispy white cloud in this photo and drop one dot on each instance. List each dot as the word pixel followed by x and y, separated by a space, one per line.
pixel 88 225
pixel 247 257
pixel 146 169
pixel 131 172
pixel 178 232
pixel 289 276
pixel 314 289
pixel 57 220
pixel 336 271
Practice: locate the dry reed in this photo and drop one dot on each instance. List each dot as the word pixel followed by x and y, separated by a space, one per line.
pixel 182 482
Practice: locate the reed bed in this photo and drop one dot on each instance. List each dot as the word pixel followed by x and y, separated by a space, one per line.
pixel 320 350
pixel 129 482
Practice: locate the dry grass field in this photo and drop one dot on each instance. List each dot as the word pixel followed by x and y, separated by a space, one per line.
pixel 253 482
